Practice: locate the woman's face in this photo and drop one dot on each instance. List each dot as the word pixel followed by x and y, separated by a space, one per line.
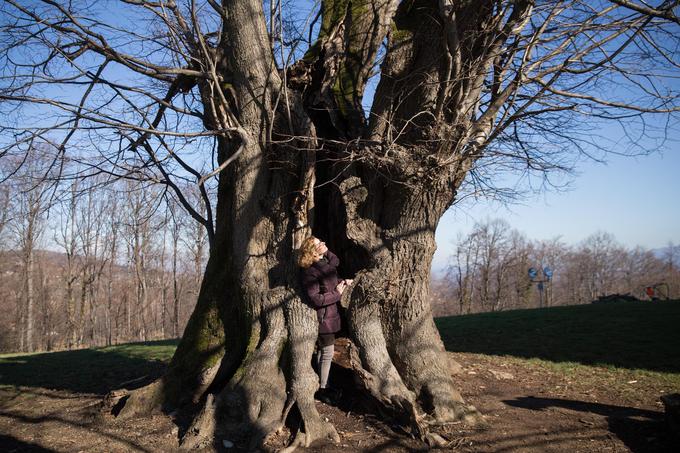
pixel 320 247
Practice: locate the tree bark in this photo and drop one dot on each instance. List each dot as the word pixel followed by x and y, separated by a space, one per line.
pixel 459 81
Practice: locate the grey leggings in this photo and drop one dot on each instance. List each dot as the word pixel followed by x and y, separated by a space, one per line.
pixel 324 357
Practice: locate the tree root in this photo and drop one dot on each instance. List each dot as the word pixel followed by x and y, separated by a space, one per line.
pixel 264 395
pixel 376 372
pixel 417 366
pixel 425 366
pixel 252 403
pixel 251 407
pixel 303 381
pixel 140 402
pixel 448 406
pixel 305 439
pixel 202 429
pixel 391 393
pixel 312 427
pixel 315 428
pixel 444 403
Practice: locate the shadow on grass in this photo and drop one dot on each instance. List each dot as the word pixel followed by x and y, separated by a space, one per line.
pixel 95 371
pixel 634 335
pixel 642 431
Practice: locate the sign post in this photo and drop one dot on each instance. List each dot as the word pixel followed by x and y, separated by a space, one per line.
pixel 547 274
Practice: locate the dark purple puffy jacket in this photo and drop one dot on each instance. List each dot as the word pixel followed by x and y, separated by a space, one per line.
pixel 318 284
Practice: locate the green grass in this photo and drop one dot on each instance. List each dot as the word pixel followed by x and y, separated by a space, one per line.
pixel 632 335
pixel 96 370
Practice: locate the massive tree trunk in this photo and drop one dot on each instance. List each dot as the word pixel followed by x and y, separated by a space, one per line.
pixel 390 209
pixel 245 357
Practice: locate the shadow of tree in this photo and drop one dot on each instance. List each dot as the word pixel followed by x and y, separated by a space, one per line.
pixel 37 420
pixel 631 335
pixel 642 431
pixel 12 444
pixel 88 370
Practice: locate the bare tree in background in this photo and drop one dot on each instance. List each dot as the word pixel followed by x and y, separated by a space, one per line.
pixel 597 259
pixel 66 238
pixel 188 241
pixel 177 287
pixel 79 277
pixel 113 242
pixel 90 229
pixel 488 269
pixel 467 91
pixel 598 266
pixel 4 210
pixel 28 206
pixel 195 238
pixel 672 258
pixel 463 272
pixel 141 207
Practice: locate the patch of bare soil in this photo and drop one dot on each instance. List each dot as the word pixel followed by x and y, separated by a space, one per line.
pixel 529 408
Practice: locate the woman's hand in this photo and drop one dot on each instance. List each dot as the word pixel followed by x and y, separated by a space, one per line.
pixel 320 248
pixel 341 287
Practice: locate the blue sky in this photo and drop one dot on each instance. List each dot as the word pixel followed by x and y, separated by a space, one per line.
pixel 637 199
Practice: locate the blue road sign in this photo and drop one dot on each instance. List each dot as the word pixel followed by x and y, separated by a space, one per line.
pixel 547 272
pixel 533 273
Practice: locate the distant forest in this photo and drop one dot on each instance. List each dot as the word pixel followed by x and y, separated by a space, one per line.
pixel 94 262
pixel 489 271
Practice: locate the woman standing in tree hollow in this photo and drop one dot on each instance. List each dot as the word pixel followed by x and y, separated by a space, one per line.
pixel 322 288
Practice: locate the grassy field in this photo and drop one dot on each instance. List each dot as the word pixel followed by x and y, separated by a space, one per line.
pixel 94 370
pixel 622 335
pixel 630 335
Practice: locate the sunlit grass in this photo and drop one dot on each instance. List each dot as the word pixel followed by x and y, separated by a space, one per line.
pixel 150 350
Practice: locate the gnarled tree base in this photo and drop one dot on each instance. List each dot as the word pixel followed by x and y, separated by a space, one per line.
pixel 261 398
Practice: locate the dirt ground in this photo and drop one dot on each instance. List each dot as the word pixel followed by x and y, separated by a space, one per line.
pixel 529 408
